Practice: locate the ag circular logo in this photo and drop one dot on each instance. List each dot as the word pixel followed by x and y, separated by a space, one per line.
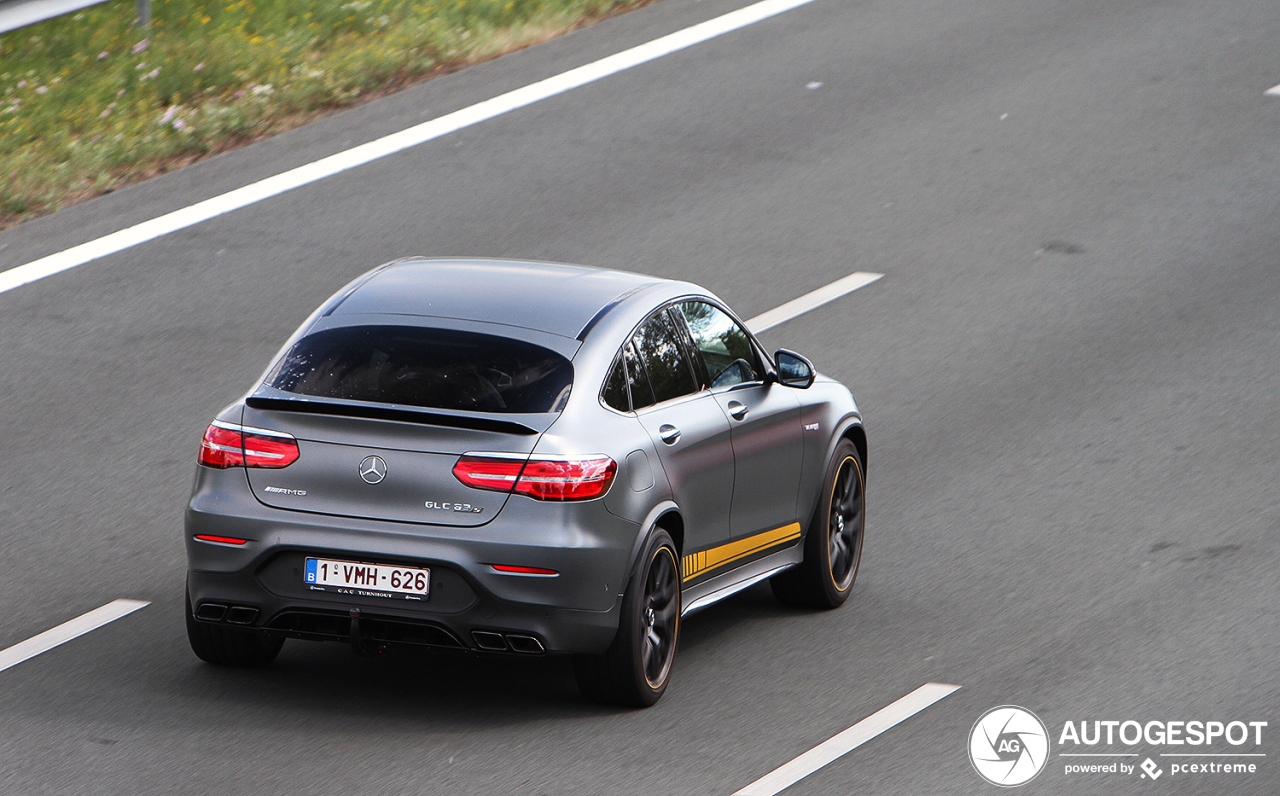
pixel 1008 746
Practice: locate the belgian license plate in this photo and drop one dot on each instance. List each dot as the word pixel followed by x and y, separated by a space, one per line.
pixel 354 577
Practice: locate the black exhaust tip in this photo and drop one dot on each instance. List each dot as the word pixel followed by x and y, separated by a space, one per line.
pixel 211 612
pixel 241 614
pixel 525 644
pixel 488 640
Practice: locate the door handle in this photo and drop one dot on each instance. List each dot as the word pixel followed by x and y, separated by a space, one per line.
pixel 737 410
pixel 668 433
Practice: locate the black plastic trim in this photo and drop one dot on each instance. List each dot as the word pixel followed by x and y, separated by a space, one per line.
pixel 389 413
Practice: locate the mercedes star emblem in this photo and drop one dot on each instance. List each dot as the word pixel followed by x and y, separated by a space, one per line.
pixel 373 469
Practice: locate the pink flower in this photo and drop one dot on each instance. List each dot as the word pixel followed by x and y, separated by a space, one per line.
pixel 167 115
pixel 120 93
pixel 140 46
pixel 22 84
pixel 42 90
pixel 154 72
pixel 199 66
pixel 178 124
pixel 239 94
pixel 102 55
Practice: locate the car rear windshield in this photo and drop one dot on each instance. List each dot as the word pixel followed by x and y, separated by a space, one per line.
pixel 430 368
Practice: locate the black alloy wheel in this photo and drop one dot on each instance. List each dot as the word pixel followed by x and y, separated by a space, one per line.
pixel 833 542
pixel 845 524
pixel 661 617
pixel 636 669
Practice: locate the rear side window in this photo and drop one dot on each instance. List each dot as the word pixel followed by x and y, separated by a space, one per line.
pixel 637 379
pixel 658 344
pixel 429 368
pixel 615 387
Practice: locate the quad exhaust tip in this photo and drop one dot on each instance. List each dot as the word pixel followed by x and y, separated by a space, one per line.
pixel 235 614
pixel 492 641
pixel 241 614
pixel 488 640
pixel 526 644
pixel 211 612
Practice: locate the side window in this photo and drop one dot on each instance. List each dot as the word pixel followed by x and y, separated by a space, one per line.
pixel 637 379
pixel 615 387
pixel 658 343
pixel 724 346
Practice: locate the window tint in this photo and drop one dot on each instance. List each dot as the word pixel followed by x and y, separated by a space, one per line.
pixel 615 387
pixel 637 379
pixel 658 344
pixel 432 368
pixel 723 345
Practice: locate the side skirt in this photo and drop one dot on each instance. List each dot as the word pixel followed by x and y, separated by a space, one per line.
pixel 712 591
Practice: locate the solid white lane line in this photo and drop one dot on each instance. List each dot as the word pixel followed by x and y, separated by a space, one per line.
pixel 1274 91
pixel 365 153
pixel 68 630
pixel 809 301
pixel 824 753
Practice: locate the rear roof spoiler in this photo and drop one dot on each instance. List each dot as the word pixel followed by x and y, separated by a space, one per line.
pixel 399 414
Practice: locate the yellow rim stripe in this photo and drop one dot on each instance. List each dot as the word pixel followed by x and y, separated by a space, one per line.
pixel 696 564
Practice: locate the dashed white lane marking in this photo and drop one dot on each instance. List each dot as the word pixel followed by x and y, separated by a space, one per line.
pixel 824 753
pixel 1274 91
pixel 809 301
pixel 365 153
pixel 68 630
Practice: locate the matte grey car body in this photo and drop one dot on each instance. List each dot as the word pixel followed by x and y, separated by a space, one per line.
pixel 733 467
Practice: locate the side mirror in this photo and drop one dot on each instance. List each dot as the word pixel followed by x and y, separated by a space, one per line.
pixel 793 369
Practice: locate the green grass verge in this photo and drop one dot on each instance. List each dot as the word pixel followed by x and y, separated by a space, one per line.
pixel 89 101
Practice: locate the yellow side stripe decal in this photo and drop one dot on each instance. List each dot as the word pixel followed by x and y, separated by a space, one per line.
pixel 696 564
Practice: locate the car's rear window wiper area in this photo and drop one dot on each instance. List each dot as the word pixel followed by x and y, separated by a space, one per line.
pixel 426 368
pixel 398 414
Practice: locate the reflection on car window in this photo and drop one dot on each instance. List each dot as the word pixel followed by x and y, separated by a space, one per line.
pixel 615 387
pixel 430 368
pixel 658 344
pixel 723 345
pixel 637 379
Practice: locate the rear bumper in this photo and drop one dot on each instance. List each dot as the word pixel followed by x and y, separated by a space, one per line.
pixel 470 605
pixel 238 599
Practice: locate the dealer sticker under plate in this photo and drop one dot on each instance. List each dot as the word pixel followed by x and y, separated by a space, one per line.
pixel 367 580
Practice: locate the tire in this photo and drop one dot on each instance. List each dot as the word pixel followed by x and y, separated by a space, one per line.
pixel 833 545
pixel 635 670
pixel 227 646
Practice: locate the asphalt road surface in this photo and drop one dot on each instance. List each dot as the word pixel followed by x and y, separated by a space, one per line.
pixel 1069 375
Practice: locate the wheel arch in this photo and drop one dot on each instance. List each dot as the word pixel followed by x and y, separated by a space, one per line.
pixel 672 521
pixel 665 515
pixel 856 434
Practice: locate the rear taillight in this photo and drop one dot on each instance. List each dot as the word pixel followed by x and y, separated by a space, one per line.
pixel 573 479
pixel 484 471
pixel 231 445
pixel 543 479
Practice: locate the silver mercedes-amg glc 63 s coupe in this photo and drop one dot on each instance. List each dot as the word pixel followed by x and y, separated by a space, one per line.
pixel 519 458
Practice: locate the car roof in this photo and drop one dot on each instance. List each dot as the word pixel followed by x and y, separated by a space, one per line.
pixel 549 297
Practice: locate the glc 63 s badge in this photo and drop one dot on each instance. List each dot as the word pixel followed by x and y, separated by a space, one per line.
pixel 463 507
